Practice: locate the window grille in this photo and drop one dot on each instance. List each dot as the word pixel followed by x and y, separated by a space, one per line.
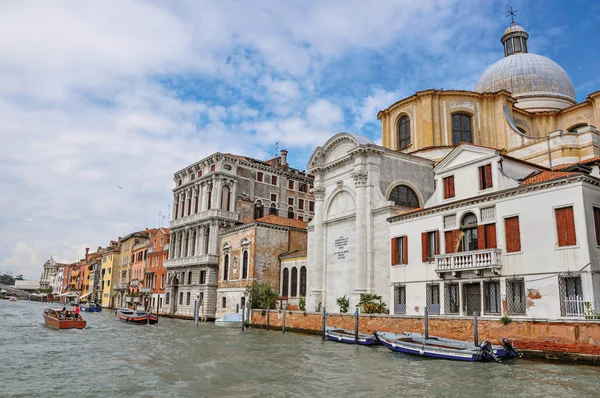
pixel 516 299
pixel 400 299
pixel 433 298
pixel 303 281
pixel 571 296
pixel 488 215
pixel 451 299
pixel 450 221
pixel 491 298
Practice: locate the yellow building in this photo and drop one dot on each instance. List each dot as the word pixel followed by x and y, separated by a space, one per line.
pixel 110 273
pixel 524 103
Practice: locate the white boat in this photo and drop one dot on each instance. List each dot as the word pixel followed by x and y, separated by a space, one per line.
pixel 231 320
pixel 13 299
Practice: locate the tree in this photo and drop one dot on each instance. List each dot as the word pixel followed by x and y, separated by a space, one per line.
pixel 19 277
pixel 261 295
pixel 372 304
pixel 6 279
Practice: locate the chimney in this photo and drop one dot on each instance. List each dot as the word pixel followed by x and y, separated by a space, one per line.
pixel 283 160
pixel 87 250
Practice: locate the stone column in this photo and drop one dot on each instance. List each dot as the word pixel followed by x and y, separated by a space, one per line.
pixel 219 193
pixel 233 196
pixel 181 202
pixel 316 268
pixel 175 201
pixel 212 240
pixel 360 182
pixel 171 247
pixel 190 242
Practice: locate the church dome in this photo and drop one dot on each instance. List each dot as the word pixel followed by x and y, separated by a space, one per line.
pixel 537 82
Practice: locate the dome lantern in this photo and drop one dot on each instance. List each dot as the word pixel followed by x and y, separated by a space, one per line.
pixel 514 40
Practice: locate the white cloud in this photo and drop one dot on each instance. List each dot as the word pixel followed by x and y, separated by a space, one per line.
pixel 97 94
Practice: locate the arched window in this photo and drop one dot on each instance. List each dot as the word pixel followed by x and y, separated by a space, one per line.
pixel 245 265
pixel 258 210
pixel 402 195
pixel 468 226
pixel 403 132
pixel 303 281
pixel 225 267
pixel 225 198
pixel 294 282
pixel 286 283
pixel 224 302
pixel 461 128
pixel 573 129
pixel 291 212
pixel 273 209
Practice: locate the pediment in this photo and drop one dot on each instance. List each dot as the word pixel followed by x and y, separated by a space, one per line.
pixel 464 155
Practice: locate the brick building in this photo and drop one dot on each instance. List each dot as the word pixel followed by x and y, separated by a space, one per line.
pixel 252 252
pixel 155 274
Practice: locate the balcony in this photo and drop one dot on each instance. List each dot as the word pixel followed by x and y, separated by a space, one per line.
pixel 192 260
pixel 206 214
pixel 121 286
pixel 476 261
pixel 146 290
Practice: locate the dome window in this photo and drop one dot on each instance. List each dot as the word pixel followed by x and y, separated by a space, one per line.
pixel 461 128
pixel 403 132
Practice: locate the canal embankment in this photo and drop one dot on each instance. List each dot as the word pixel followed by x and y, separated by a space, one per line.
pixel 560 340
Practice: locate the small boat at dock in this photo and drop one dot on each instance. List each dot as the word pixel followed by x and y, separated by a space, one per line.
pixel 232 320
pixel 138 317
pixel 349 336
pixel 59 319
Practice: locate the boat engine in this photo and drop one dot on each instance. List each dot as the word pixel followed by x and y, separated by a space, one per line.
pixel 509 347
pixel 486 348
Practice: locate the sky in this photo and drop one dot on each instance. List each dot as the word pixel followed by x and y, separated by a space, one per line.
pixel 100 94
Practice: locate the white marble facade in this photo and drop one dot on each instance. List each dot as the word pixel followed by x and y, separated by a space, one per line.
pixel 348 238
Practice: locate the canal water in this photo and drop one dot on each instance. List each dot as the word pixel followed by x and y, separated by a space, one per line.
pixel 177 359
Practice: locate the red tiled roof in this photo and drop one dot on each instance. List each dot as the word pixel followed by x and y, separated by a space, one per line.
pixel 546 176
pixel 286 222
pixel 586 161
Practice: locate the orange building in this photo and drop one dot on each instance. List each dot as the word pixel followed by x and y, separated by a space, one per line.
pixel 155 275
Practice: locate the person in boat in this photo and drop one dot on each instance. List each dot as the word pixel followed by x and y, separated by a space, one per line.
pixel 63 312
pixel 76 311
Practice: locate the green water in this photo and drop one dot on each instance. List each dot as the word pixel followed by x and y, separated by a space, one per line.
pixel 177 359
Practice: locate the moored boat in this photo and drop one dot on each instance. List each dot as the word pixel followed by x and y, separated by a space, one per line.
pixel 232 320
pixel 138 317
pixel 348 336
pixel 60 319
pixel 12 299
pixel 435 347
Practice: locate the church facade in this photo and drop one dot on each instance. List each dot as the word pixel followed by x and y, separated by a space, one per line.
pixel 477 201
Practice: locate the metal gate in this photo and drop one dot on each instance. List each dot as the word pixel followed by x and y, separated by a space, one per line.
pixel 472 298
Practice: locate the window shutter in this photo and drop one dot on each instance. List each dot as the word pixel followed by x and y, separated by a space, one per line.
pixel 449 238
pixel 570 224
pixel 394 251
pixel 446 189
pixel 480 237
pixel 451 183
pixel 488 175
pixel 490 236
pixel 481 177
pixel 513 235
pixel 405 250
pixel 424 246
pixel 437 241
pixel 597 224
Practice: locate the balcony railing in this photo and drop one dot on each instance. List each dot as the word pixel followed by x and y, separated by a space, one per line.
pixel 121 286
pixel 204 214
pixel 477 261
pixel 192 260
pixel 146 290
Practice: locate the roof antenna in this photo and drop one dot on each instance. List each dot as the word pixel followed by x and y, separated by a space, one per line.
pixel 276 148
pixel 512 14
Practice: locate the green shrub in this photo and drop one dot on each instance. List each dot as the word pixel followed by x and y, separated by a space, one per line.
pixel 344 303
pixel 261 295
pixel 372 304
pixel 505 320
pixel 302 303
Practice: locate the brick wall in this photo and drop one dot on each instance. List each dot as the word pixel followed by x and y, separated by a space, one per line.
pixel 581 337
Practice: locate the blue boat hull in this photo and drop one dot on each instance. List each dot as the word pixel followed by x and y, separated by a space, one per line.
pixel 347 336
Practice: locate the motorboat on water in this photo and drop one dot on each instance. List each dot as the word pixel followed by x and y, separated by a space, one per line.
pixel 139 317
pixel 59 319
pixel 439 347
pixel 231 320
pixel 12 299
pixel 349 336
pixel 91 308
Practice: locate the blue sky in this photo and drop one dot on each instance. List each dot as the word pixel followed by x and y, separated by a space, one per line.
pixel 97 94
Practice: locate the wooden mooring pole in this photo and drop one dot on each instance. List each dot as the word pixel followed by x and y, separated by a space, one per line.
pixel 356 327
pixel 283 321
pixel 426 323
pixel 475 331
pixel 324 323
pixel 268 313
pixel 243 316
